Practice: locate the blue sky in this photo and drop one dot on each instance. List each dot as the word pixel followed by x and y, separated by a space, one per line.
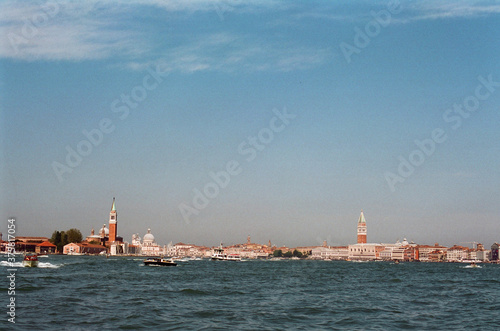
pixel 182 87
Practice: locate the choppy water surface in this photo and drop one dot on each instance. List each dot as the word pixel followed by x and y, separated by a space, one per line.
pixel 86 292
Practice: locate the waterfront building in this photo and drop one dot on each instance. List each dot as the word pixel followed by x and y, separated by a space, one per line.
pixel 411 253
pixel 83 248
pixel 28 244
pixel 362 229
pixel 365 251
pixel 483 255
pixel 494 252
pixel 424 252
pixel 398 251
pixel 187 250
pixel 147 246
pixel 251 250
pixel 331 253
pixel 45 248
pixel 459 253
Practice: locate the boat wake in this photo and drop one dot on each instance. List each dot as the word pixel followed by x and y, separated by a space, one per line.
pixel 20 265
pixel 48 265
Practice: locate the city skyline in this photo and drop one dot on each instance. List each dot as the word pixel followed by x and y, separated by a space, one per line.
pixel 213 120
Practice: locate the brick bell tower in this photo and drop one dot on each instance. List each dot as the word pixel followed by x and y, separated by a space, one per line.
pixel 113 225
pixel 362 229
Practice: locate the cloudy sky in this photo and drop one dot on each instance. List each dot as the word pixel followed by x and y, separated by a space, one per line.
pixel 213 120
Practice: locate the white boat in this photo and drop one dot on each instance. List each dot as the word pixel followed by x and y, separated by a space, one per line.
pixel 30 260
pixel 220 255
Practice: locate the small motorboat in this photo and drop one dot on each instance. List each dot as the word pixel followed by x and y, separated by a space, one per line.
pixel 30 260
pixel 157 261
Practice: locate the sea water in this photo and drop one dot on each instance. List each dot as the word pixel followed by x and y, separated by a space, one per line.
pixel 95 292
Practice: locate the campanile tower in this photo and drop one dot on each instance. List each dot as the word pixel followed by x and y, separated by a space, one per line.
pixel 113 226
pixel 362 229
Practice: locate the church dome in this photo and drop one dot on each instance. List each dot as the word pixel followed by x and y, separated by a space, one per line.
pixel 148 237
pixel 105 229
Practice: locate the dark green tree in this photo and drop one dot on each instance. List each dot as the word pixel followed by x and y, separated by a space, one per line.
pixel 278 253
pixel 56 237
pixel 61 238
pixel 74 236
pixel 288 254
pixel 296 253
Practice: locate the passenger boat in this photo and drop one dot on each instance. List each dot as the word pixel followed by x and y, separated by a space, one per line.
pixel 159 262
pixel 220 255
pixel 30 260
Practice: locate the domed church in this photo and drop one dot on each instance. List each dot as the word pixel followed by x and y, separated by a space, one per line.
pixel 148 246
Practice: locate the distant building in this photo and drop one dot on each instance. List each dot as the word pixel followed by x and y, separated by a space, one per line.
pixel 424 252
pixel 83 248
pixel 459 253
pixel 365 251
pixel 494 252
pixel 28 244
pixel 45 248
pixel 187 250
pixel 147 246
pixel 362 229
pixel 108 237
pixel 331 253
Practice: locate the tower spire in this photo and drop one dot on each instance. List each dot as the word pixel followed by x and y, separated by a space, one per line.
pixel 361 228
pixel 362 217
pixel 113 223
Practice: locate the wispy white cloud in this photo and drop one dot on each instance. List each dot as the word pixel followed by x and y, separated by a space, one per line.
pixel 434 10
pixel 97 30
pixel 94 30
pixel 62 31
pixel 229 53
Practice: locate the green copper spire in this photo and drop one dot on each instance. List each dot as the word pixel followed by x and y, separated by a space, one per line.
pixel 113 208
pixel 362 217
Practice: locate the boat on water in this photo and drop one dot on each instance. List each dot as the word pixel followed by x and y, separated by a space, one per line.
pixel 473 265
pixel 220 255
pixel 157 261
pixel 30 260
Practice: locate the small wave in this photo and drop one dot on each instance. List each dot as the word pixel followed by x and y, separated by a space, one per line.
pixel 191 291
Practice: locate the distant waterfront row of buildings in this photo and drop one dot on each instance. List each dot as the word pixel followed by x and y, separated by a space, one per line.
pixel 107 241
